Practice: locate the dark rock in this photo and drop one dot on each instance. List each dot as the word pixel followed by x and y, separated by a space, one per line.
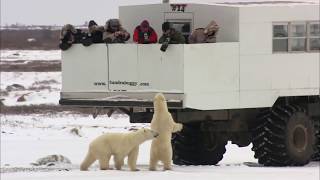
pixel 15 87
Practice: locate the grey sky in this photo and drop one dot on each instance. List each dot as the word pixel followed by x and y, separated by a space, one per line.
pixel 49 12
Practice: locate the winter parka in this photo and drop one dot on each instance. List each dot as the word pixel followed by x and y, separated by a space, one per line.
pixel 119 35
pixel 205 35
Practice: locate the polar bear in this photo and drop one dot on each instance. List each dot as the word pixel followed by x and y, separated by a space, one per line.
pixel 119 145
pixel 162 122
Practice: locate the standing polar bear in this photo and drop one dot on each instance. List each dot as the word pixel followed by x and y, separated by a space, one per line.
pixel 162 122
pixel 119 145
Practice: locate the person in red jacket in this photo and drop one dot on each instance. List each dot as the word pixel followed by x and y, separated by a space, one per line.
pixel 145 34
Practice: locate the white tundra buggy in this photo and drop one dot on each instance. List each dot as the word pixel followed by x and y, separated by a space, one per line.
pixel 259 84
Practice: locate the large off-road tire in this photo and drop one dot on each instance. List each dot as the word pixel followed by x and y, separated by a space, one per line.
pixel 283 136
pixel 316 156
pixel 192 146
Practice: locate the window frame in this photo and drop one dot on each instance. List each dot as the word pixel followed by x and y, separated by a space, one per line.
pixel 279 38
pixel 289 38
pixel 182 21
pixel 311 37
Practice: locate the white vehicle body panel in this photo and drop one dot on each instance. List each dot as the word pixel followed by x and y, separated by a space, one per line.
pixel 145 67
pixel 85 64
pixel 211 75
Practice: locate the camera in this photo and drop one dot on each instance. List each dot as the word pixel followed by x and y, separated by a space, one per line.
pixel 145 38
pixel 165 44
pixel 86 40
pixel 120 38
pixel 64 45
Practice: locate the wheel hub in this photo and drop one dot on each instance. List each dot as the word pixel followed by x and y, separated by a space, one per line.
pixel 300 140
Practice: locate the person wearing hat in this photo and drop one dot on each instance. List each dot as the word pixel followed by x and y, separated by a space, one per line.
pixel 95 32
pixel 170 36
pixel 205 35
pixel 67 36
pixel 170 33
pixel 145 34
pixel 114 32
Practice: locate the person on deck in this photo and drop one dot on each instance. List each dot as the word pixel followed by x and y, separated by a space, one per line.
pixel 145 34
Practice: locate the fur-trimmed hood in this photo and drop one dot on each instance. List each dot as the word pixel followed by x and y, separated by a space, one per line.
pixel 67 28
pixel 107 27
pixel 95 28
pixel 212 27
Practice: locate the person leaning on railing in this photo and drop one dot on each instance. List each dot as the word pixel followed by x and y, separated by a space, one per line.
pixel 169 32
pixel 68 36
pixel 95 32
pixel 145 34
pixel 205 35
pixel 170 36
pixel 114 32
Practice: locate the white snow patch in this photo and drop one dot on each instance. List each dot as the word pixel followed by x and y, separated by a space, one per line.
pixel 40 87
pixel 31 40
pixel 28 79
pixel 41 135
pixel 15 55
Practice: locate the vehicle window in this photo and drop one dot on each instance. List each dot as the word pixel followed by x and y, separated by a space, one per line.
pixel 280 37
pixel 182 26
pixel 314 36
pixel 280 31
pixel 314 29
pixel 298 37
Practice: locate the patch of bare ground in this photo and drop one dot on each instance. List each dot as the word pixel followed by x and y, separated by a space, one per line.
pixel 44 39
pixel 51 109
pixel 35 169
pixel 30 66
pixel 3 93
pixel 43 109
pixel 43 85
pixel 15 87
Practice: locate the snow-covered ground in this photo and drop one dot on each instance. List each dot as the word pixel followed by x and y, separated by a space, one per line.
pixel 36 87
pixel 15 55
pixel 24 139
pixel 41 135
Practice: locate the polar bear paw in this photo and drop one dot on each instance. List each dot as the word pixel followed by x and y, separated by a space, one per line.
pixel 177 127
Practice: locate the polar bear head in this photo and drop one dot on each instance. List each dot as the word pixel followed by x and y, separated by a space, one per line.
pixel 148 133
pixel 160 103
